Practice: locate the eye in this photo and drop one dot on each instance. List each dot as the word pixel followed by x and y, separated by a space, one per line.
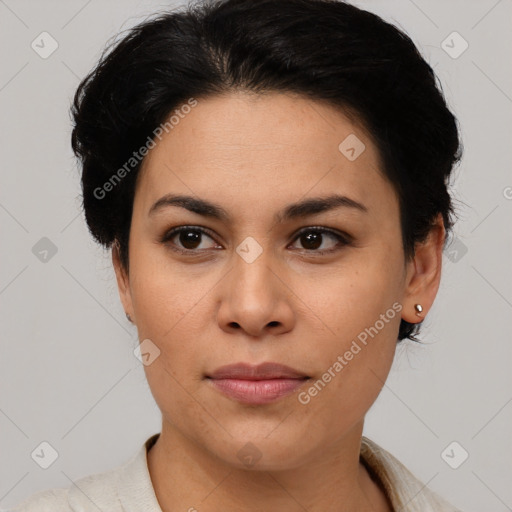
pixel 188 239
pixel 314 239
pixel 194 239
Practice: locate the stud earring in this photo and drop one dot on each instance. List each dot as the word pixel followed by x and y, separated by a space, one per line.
pixel 129 317
pixel 419 309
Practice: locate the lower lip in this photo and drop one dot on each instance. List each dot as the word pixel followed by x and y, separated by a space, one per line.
pixel 257 391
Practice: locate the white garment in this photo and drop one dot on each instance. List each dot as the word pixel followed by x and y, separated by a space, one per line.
pixel 128 488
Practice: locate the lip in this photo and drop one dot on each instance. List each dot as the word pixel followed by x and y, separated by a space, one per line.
pixel 256 384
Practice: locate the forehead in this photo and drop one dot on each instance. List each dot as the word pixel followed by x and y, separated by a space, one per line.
pixel 248 148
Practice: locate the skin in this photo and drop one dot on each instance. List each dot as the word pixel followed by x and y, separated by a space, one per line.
pixel 254 155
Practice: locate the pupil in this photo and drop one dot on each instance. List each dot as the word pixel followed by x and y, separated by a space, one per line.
pixel 312 240
pixel 191 239
pixel 188 238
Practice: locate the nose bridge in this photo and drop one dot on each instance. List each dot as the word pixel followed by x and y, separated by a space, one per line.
pixel 252 274
pixel 254 298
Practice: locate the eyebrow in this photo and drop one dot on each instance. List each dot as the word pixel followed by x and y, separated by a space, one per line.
pixel 310 206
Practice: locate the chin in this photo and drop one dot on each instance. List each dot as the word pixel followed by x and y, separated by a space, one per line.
pixel 259 451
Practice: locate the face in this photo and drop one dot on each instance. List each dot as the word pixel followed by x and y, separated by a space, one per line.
pixel 289 252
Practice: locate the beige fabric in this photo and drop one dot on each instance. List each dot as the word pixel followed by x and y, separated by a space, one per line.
pixel 128 488
pixel 405 492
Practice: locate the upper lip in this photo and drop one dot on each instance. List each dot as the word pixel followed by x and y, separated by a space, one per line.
pixel 246 371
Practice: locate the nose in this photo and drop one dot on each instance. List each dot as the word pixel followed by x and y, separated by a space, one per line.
pixel 255 298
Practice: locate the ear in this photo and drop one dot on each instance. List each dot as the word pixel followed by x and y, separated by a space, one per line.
pixel 123 282
pixel 424 274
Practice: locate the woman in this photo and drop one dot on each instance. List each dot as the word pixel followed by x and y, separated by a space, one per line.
pixel 271 176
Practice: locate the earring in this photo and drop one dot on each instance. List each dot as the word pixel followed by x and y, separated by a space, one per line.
pixel 129 317
pixel 418 308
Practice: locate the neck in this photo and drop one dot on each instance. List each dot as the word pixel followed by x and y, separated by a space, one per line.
pixel 186 477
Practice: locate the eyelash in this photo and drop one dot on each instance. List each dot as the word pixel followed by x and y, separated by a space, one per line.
pixel 342 238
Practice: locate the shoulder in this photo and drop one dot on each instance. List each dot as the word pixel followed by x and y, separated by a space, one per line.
pixel 125 487
pixel 45 501
pixel 93 492
pixel 404 489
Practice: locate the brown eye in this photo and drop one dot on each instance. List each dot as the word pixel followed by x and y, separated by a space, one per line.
pixel 184 239
pixel 189 239
pixel 311 240
pixel 317 240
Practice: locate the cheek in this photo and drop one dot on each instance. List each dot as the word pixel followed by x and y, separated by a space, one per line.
pixel 352 296
pixel 170 308
pixel 176 399
pixel 164 293
pixel 174 319
pixel 360 314
pixel 172 315
pixel 352 370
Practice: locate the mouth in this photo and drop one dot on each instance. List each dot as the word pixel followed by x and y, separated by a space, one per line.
pixel 256 384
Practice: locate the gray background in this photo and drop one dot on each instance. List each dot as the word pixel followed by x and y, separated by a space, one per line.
pixel 68 373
